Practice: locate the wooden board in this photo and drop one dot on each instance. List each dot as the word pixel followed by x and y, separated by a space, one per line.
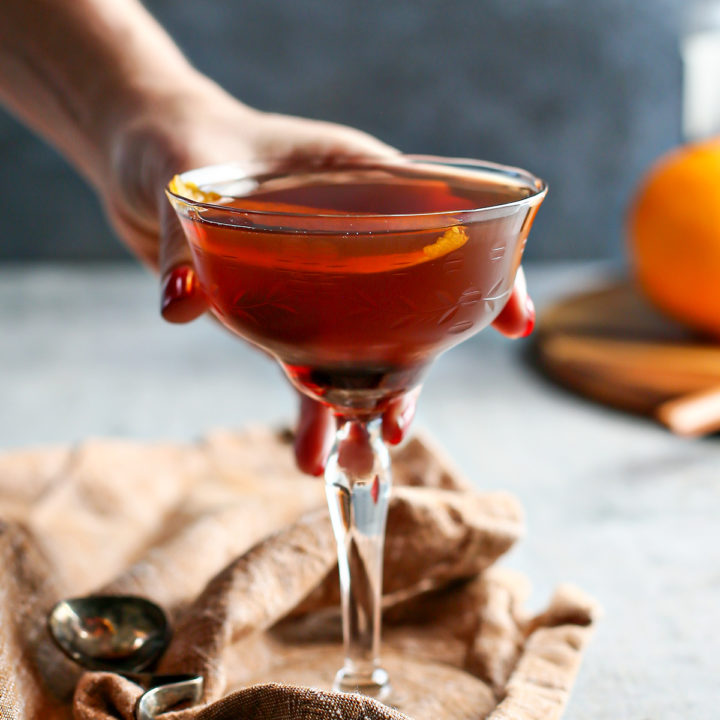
pixel 609 344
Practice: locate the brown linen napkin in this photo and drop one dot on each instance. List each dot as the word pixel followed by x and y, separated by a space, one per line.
pixel 236 545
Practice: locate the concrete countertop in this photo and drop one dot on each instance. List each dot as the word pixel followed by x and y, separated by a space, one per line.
pixel 614 503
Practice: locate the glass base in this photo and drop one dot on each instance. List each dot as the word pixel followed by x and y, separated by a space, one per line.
pixel 375 685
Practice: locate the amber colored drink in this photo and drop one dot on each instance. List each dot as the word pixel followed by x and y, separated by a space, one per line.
pixel 355 315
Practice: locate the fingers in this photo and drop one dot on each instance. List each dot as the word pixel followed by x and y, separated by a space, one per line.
pixel 182 299
pixel 517 318
pixel 349 142
pixel 398 416
pixel 297 140
pixel 316 430
pixel 314 436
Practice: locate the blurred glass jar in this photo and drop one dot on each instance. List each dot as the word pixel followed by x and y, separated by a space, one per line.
pixel 700 48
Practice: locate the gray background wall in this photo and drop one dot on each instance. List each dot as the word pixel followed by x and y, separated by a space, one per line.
pixel 586 94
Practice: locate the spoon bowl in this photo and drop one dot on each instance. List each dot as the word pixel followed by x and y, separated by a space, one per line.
pixel 119 633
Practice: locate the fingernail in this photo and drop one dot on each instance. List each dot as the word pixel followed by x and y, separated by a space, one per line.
pixel 315 469
pixel 309 462
pixel 530 322
pixel 182 299
pixel 395 435
pixel 402 423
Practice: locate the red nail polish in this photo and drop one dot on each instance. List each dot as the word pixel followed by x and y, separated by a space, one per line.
pixel 395 436
pixel 182 299
pixel 530 322
pixel 375 490
pixel 317 470
pixel 402 423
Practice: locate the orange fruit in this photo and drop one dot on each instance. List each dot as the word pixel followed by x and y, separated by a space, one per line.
pixel 674 235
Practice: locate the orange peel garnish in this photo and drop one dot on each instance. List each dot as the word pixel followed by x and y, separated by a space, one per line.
pixel 191 191
pixel 452 239
pixel 328 259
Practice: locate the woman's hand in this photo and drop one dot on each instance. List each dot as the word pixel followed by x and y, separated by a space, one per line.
pixel 201 126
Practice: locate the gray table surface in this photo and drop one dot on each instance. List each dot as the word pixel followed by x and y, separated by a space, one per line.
pixel 614 503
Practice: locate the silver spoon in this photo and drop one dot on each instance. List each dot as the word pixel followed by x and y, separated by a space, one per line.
pixel 122 634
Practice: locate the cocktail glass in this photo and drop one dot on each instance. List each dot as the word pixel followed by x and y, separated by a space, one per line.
pixel 355 276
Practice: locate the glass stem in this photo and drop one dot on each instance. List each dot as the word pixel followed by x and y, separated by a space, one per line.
pixel 357 483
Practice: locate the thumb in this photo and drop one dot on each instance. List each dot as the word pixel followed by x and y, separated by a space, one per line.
pixel 182 298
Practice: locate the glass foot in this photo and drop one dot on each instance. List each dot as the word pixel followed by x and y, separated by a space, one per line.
pixel 375 685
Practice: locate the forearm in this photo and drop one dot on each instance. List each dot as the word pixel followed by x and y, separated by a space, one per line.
pixel 75 69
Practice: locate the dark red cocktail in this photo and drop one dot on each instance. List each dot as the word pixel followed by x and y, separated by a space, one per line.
pixel 355 305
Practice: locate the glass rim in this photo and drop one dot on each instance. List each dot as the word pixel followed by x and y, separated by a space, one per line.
pixel 537 185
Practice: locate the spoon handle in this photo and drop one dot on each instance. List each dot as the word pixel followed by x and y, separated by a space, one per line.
pixel 164 691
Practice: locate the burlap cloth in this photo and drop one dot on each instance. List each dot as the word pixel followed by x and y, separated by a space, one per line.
pixel 237 547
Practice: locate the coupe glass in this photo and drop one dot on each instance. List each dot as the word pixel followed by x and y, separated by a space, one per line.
pixel 355 277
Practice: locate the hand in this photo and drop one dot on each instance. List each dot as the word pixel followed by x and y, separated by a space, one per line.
pixel 203 125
